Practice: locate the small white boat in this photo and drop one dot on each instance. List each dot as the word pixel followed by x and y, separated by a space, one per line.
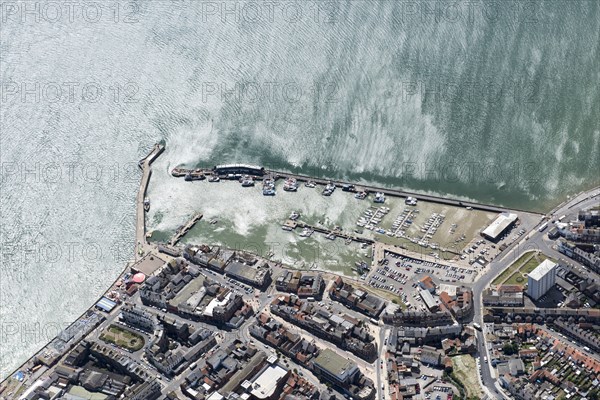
pixel 360 195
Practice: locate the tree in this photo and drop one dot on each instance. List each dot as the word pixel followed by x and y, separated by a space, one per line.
pixel 510 348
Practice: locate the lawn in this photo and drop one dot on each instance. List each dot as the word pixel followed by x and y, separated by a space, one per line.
pixel 123 338
pixel 516 273
pixel 503 276
pixel 533 263
pixel 516 278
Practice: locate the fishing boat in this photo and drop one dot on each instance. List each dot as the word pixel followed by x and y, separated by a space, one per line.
pixel 194 176
pixel 247 181
pixel 306 232
pixel 329 189
pixel 290 185
pixel 178 172
pixel 268 187
pixel 146 204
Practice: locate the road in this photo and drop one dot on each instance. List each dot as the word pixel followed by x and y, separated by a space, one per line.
pixel 535 240
pixel 383 332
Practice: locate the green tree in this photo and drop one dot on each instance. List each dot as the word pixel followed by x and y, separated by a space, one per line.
pixel 510 348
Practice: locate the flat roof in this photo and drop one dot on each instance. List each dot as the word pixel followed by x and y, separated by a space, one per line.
pixel 148 264
pixel 430 302
pixel 238 166
pixel 79 392
pixel 450 289
pixel 542 270
pixel 335 364
pixel 214 303
pixel 265 384
pixel 106 304
pixel 215 396
pixel 242 270
pixel 499 224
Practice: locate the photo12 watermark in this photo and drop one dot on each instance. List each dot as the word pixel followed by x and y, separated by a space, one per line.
pixel 467 11
pixel 261 12
pixel 54 12
pixel 269 92
pixel 68 92
pixel 69 172
pixel 456 91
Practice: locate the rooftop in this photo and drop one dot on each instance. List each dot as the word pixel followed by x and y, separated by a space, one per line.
pixel 499 224
pixel 334 363
pixel 265 384
pixel 541 270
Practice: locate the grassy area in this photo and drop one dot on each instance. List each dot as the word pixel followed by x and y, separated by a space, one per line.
pixel 503 276
pixel 464 371
pixel 517 272
pixel 383 294
pixel 516 278
pixel 533 263
pixel 123 338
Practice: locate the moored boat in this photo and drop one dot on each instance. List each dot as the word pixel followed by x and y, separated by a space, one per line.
pixel 290 185
pixel 247 181
pixel 196 175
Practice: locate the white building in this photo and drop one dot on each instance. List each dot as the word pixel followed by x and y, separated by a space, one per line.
pixel 499 226
pixel 541 279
